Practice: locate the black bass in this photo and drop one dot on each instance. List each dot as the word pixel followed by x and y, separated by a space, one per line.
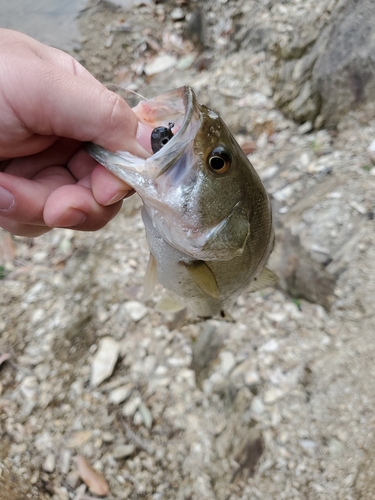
pixel 207 215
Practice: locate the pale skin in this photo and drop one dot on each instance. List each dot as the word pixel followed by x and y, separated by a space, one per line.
pixel 50 106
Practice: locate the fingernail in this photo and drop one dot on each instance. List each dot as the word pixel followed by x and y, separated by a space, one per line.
pixel 6 200
pixel 118 196
pixel 72 217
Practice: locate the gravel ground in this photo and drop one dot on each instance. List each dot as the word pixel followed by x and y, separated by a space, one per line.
pixel 278 404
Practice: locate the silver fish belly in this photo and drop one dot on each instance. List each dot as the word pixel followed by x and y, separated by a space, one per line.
pixel 207 215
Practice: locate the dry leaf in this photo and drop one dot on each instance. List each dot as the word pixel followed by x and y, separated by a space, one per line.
pixel 267 126
pixel 249 147
pixel 92 478
pixel 153 44
pixel 77 438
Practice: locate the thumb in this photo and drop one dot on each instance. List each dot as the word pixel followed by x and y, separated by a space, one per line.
pixel 52 94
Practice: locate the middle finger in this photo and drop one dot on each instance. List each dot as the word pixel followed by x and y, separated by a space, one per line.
pixel 59 153
pixel 30 196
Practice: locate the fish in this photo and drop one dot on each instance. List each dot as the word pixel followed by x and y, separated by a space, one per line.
pixel 207 215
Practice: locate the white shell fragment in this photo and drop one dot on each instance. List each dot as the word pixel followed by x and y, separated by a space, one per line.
pixel 49 463
pixel 104 360
pixel 135 310
pixel 123 451
pixel 29 387
pixel 160 64
pixel 118 395
pixel 371 151
pixel 131 407
pixel 146 415
pixel 177 14
pixel 227 362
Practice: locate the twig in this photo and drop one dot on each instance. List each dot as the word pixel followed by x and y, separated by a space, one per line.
pixel 141 443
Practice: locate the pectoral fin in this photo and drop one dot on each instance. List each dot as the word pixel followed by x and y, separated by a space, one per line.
pixel 150 279
pixel 168 304
pixel 203 277
pixel 267 278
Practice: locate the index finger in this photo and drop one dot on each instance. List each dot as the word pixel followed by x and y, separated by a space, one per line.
pixel 52 94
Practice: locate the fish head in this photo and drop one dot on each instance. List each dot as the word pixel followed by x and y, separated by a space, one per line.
pixel 200 191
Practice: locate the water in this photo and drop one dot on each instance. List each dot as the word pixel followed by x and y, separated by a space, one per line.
pixel 50 21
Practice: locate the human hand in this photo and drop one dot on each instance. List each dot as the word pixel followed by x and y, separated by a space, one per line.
pixel 49 106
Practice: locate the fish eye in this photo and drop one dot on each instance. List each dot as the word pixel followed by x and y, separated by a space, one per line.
pixel 219 160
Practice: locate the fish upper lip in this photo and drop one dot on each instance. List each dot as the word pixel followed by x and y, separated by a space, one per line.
pixel 190 104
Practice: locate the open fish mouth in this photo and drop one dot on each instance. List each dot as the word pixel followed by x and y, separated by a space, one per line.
pixel 177 111
pixel 173 110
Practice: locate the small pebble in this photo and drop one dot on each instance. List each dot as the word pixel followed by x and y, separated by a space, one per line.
pixel 40 256
pixel 29 387
pixel 72 479
pixel 227 362
pixel 270 346
pixel 49 463
pixel 135 310
pixel 131 407
pixel 305 128
pixel 61 493
pixel 273 395
pixel 251 378
pixel 109 41
pixel 104 360
pixel 283 194
pixel 371 151
pixel 257 405
pixel 146 415
pixel 177 14
pixel 160 64
pixel 78 438
pixel 336 448
pixel 77 47
pixel 307 444
pixel 65 458
pixel 120 394
pixel 37 316
pixel 123 451
pixel 108 437
pixel 268 173
pixel 137 419
pixel 283 438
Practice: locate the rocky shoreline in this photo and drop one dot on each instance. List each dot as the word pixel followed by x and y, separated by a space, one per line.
pixel 279 404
